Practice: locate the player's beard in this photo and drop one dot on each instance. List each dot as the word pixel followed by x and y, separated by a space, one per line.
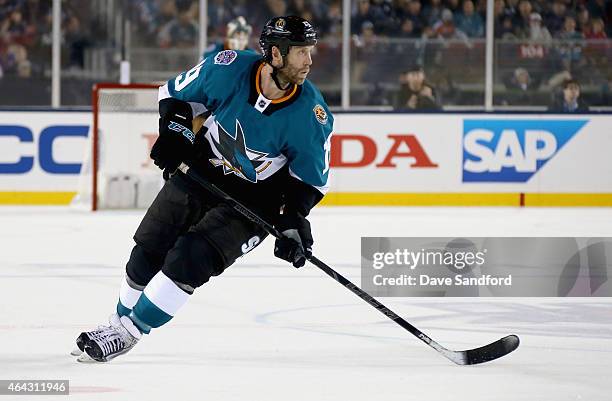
pixel 292 75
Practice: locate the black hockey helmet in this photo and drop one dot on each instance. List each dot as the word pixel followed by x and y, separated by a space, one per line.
pixel 284 32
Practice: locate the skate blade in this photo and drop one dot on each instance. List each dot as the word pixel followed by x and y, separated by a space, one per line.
pixel 76 352
pixel 84 358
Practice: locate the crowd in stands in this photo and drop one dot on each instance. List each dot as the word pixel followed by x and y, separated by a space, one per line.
pixel 26 37
pixel 174 22
pixel 25 29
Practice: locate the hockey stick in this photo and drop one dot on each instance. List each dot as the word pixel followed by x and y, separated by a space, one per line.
pixel 489 352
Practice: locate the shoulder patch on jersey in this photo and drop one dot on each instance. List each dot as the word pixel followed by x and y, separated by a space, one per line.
pixel 320 114
pixel 225 57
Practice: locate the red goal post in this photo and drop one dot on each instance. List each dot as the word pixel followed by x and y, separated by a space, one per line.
pixel 120 174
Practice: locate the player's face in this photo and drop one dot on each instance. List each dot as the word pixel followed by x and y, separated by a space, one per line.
pixel 297 65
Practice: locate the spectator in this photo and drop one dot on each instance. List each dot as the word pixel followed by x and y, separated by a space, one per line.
pixel 446 29
pixel 149 18
pixel 365 12
pixel 569 51
pixel 415 93
pixel 167 13
pixel 511 8
pixel 521 88
pixel 498 17
pixel 555 19
pixel 332 25
pixel 522 19
pixel 181 32
pixel 583 19
pixel 600 9
pixel 521 80
pixel 411 9
pixel 454 6
pixel 432 13
pixel 481 8
pixel 407 30
pixel 272 8
pixel 24 69
pixel 238 8
pixel 77 42
pixel 537 32
pixel 15 56
pixel 470 22
pixel 569 30
pixel 506 31
pixel 297 7
pixel 596 30
pixel 15 30
pixel 45 30
pixel 569 101
pixel 219 14
pixel 557 79
pixel 367 47
pixel 386 23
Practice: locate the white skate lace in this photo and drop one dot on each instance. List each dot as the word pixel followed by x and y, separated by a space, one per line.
pixel 111 339
pixel 102 328
pixel 108 339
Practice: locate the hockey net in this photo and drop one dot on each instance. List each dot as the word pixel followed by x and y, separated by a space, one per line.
pixel 117 172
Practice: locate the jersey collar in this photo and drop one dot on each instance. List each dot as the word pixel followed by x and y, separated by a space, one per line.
pixel 292 94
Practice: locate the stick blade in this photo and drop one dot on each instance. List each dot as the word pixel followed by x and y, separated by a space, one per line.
pixel 492 351
pixel 487 353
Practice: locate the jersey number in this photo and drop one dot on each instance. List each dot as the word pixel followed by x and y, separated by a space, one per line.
pixel 327 148
pixel 250 244
pixel 189 77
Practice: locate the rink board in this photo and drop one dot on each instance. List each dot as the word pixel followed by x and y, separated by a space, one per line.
pixel 376 158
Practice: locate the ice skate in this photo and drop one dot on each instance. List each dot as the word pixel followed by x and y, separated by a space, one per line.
pixel 107 342
pixel 80 341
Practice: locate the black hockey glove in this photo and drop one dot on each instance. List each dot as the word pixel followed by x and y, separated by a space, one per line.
pixel 175 141
pixel 296 245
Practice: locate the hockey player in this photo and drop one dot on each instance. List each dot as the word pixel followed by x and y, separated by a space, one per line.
pixel 236 38
pixel 266 143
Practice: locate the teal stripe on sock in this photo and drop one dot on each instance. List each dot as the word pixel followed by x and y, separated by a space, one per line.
pixel 122 310
pixel 143 327
pixel 147 316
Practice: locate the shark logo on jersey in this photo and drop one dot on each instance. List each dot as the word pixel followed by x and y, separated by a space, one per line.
pixel 237 158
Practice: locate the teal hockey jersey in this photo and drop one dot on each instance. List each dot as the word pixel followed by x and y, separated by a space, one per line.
pixel 250 142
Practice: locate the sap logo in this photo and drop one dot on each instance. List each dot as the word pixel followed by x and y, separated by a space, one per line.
pixel 25 163
pixel 363 151
pixel 512 150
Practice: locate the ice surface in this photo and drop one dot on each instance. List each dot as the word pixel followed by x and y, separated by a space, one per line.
pixel 266 331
